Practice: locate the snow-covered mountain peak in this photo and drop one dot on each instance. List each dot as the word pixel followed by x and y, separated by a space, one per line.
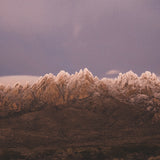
pixel 65 88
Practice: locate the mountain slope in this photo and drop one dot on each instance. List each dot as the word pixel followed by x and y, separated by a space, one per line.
pixel 81 117
pixel 79 128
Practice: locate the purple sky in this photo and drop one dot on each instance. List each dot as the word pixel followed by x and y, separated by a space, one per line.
pixel 42 36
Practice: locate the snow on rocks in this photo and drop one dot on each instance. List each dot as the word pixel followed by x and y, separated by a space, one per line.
pixel 65 88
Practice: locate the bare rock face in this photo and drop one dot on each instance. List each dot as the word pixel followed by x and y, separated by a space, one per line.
pixel 80 116
pixel 65 88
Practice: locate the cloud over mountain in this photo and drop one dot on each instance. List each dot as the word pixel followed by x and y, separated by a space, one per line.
pixel 112 72
pixel 11 80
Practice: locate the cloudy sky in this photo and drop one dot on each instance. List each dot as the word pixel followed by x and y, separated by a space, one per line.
pixel 106 36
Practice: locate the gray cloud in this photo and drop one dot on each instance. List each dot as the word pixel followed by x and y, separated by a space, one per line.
pixel 42 36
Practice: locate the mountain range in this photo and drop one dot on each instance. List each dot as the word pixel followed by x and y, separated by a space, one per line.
pixel 80 116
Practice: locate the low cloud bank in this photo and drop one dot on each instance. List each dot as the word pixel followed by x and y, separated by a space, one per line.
pixel 82 87
pixel 12 80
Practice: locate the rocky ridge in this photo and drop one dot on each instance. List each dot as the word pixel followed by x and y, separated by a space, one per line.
pixel 82 86
pixel 81 117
